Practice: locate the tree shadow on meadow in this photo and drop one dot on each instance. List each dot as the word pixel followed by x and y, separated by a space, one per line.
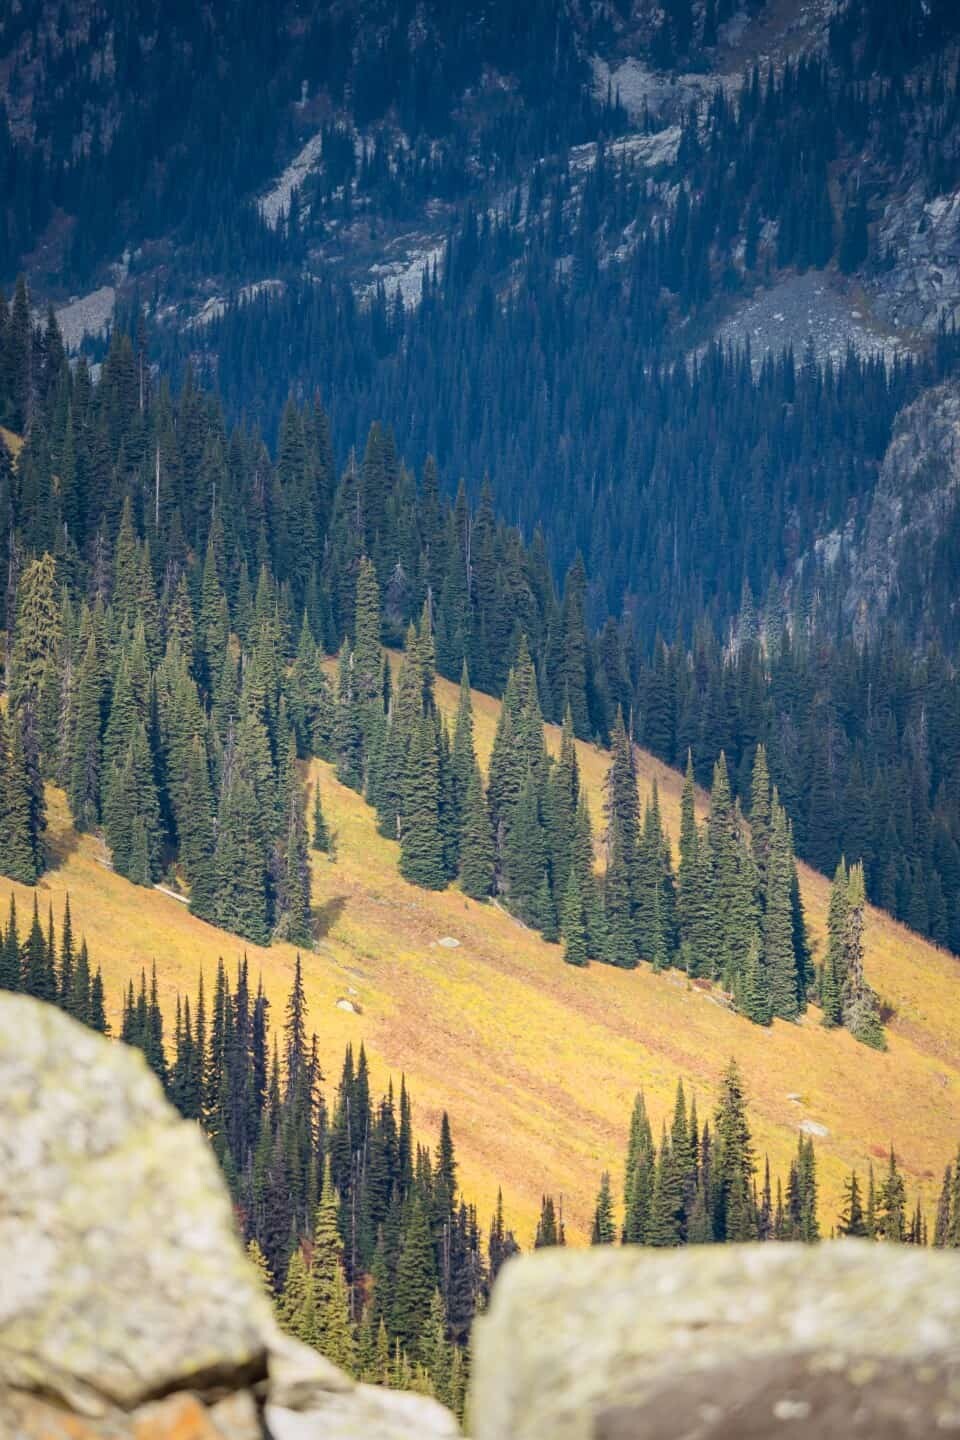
pixel 325 916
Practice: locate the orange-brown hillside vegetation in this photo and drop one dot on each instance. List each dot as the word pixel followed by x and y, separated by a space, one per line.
pixel 536 1062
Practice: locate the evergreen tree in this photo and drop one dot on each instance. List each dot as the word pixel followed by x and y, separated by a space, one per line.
pixel 852 1220
pixel 603 1230
pixel 20 846
pixel 778 949
pixel 549 1226
pixel 861 1011
pixel 573 922
pixel 321 838
pixel 639 1176
pixel 476 842
pixel 416 1280
pixel 733 1164
pixel 524 857
pixel 891 1204
pixel 421 843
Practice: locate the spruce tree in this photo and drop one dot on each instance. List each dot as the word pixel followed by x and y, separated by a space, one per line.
pixel 860 1007
pixel 778 950
pixel 524 857
pixel 852 1220
pixel 550 1226
pixel 734 1217
pixel 334 1332
pixel 415 1282
pixel 20 846
pixel 477 856
pixel 462 762
pixel 603 1230
pixel 573 922
pixel 348 726
pixel 687 872
pixel 421 842
pixel 639 1174
pixel 83 786
pixel 10 974
pixel 320 839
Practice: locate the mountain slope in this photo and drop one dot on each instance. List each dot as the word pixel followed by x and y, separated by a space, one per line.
pixel 536 1062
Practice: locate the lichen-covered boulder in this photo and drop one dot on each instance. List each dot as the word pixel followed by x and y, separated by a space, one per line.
pixel 123 1274
pixel 128 1309
pixel 841 1339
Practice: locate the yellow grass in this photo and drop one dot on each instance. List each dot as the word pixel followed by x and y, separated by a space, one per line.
pixel 536 1062
pixel 14 443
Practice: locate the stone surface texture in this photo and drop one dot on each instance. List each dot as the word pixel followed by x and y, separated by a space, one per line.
pixel 763 1340
pixel 128 1309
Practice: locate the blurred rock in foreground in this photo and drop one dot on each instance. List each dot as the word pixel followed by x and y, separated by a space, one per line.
pixel 712 1343
pixel 128 1310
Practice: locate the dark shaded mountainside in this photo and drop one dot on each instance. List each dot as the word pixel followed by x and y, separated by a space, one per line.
pixel 679 281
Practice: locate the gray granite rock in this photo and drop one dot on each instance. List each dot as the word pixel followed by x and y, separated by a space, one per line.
pixel 845 1338
pixel 123 1274
pixel 128 1309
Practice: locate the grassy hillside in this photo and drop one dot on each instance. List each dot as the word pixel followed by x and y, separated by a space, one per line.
pixel 537 1062
pixel 13 442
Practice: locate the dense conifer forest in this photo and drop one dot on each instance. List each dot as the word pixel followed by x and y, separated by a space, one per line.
pixel 252 523
pixel 172 700
pixel 172 589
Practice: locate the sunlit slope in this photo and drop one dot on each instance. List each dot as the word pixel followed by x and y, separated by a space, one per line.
pixel 537 1062
pixel 14 443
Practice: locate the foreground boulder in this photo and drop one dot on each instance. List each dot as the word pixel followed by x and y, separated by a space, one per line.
pixel 841 1339
pixel 128 1310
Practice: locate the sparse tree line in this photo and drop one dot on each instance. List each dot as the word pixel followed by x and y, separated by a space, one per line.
pixel 730 913
pixel 360 1233
pixel 175 716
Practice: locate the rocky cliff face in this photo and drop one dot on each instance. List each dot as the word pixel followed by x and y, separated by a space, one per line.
pixel 128 1310
pixel 900 566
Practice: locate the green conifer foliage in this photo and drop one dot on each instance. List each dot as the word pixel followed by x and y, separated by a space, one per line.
pixel 666 1206
pixel 131 812
pixel 860 1007
pixel 366 642
pixel 297 1312
pixel 84 778
pixel 639 1174
pixel 891 1204
pixel 779 957
pixel 477 856
pixel 334 1331
pixel 416 1280
pixel 10 976
pixel 573 923
pixel 603 1231
pixel 754 998
pixel 421 843
pixel 241 857
pixel 687 873
pixel 36 632
pixel 734 1217
pixel 320 838
pixel 550 1226
pixel 21 852
pixel 462 762
pixel 524 857
pixel 761 816
pixel 348 726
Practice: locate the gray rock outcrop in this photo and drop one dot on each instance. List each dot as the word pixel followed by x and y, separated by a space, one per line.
pixel 841 1339
pixel 128 1310
pixel 916 496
